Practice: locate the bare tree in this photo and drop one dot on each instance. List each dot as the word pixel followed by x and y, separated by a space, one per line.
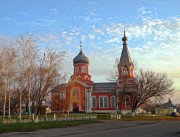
pixel 59 103
pixel 32 57
pixel 48 75
pixel 26 76
pixel 150 85
pixel 147 85
pixel 7 73
pixel 24 53
pixel 113 75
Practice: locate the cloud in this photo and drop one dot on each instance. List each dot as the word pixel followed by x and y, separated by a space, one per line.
pixel 91 36
pixel 53 9
pixel 92 2
pixel 113 40
pixel 144 10
pixel 92 13
pixel 48 37
pixel 154 43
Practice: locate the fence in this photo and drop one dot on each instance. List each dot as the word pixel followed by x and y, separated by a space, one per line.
pixel 44 118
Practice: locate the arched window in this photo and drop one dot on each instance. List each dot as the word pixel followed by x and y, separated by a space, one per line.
pixel 101 102
pixel 83 69
pixel 113 102
pixel 87 78
pixel 126 72
pixel 127 101
pixel 105 102
pixel 76 69
pixel 94 102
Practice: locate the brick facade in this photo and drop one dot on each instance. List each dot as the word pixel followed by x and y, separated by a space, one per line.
pixel 82 94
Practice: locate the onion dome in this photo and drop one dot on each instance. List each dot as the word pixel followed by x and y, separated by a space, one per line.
pixel 125 39
pixel 81 58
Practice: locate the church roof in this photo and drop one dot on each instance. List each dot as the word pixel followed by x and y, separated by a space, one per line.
pixel 125 55
pixel 81 57
pixel 168 104
pixel 104 87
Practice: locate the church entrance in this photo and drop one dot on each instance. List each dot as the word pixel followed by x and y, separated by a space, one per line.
pixel 75 107
pixel 76 100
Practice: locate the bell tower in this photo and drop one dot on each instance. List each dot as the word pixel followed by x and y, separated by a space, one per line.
pixel 125 66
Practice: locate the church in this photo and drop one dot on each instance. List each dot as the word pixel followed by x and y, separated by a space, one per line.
pixel 81 94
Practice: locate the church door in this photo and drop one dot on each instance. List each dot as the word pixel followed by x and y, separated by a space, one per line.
pixel 75 107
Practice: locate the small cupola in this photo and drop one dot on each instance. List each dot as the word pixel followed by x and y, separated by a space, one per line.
pixel 81 57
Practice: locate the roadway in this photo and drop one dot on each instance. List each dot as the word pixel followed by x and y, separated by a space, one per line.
pixel 109 129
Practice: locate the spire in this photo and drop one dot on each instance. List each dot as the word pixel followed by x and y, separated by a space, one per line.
pixel 80 46
pixel 125 55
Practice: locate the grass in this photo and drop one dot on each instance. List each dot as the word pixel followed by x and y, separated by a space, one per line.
pixel 25 127
pixel 138 118
pixel 150 118
pixel 104 116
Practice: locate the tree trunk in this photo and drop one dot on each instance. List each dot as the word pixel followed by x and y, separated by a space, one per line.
pixel 4 107
pixel 9 114
pixel 20 104
pixel 29 98
pixel 33 109
pixel 133 112
pixel 38 110
pixel 29 94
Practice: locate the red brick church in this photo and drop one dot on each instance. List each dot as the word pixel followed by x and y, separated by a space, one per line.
pixel 81 94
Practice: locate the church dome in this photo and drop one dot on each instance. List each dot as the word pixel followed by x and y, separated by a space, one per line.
pixel 81 58
pixel 125 39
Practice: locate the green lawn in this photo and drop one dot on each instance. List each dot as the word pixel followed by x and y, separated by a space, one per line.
pixel 150 118
pixel 135 118
pixel 22 127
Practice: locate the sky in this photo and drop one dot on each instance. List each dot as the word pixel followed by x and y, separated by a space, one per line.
pixel 152 27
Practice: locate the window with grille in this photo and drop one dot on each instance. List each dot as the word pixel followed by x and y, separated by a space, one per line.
pixel 76 69
pixel 83 69
pixel 113 102
pixel 101 102
pixel 94 102
pixel 105 102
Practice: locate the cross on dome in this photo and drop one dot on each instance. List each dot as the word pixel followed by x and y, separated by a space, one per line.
pixel 80 45
pixel 81 58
